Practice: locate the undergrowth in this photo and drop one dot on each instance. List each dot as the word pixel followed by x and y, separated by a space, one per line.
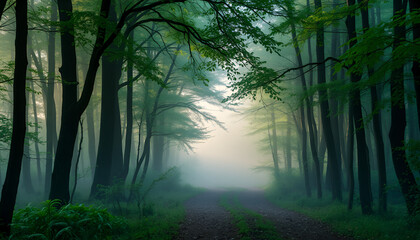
pixel 395 224
pixel 68 222
pixel 162 214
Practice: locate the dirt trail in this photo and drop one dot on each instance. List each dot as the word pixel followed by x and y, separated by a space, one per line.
pixel 206 219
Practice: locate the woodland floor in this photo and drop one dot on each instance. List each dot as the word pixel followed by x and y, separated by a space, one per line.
pixel 207 219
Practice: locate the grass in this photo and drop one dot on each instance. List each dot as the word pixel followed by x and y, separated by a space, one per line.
pixel 392 225
pixel 250 225
pixel 162 215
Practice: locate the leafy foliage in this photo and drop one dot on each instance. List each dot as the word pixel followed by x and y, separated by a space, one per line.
pixel 68 222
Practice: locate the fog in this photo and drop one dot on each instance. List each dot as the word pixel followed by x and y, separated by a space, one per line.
pixel 228 158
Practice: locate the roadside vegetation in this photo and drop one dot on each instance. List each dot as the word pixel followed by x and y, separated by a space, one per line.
pixel 394 224
pixel 157 214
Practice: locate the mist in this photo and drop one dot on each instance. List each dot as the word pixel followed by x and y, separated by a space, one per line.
pixel 205 119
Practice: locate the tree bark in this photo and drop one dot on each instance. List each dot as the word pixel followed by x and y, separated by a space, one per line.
pixel 362 150
pixel 377 127
pixel 11 183
pixel 129 110
pixel 326 121
pixel 109 164
pixel 309 115
pixel 404 174
pixel 274 145
pixel 415 6
pixel 51 108
pixel 71 108
pixel 350 158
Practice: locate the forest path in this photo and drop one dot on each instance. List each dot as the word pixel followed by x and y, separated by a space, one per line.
pixel 207 219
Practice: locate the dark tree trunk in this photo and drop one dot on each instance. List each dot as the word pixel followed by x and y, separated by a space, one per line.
pixel 350 158
pixel 326 121
pixel 309 116
pixel 288 161
pixel 377 128
pixel 51 110
pixel 26 160
pixel 415 6
pixel 404 174
pixel 69 115
pixel 129 112
pixel 274 145
pixel 364 178
pixel 335 39
pixel 11 183
pixel 91 136
pixel 37 154
pixel 109 161
pixel 71 108
pixel 117 154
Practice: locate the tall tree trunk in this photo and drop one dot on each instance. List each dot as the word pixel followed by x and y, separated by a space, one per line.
pixel 377 126
pixel 335 39
pixel 350 157
pixel 37 154
pixel 404 174
pixel 129 112
pixel 273 144
pixel 326 121
pixel 51 111
pixel 91 136
pixel 362 150
pixel 26 161
pixel 288 161
pixel 415 6
pixel 71 108
pixel 11 183
pixel 109 160
pixel 309 115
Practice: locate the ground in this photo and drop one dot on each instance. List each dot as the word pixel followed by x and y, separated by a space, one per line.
pixel 217 215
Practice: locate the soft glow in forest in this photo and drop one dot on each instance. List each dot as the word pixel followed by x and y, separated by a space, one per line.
pixel 205 119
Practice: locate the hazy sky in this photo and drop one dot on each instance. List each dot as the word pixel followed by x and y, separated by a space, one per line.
pixel 228 158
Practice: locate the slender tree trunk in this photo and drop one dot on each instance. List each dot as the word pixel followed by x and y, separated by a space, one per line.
pixel 404 174
pixel 26 161
pixel 90 122
pixel 309 115
pixel 377 128
pixel 350 156
pixel 109 161
pixel 362 150
pixel 71 108
pixel 51 111
pixel 11 183
pixel 273 144
pixel 415 6
pixel 37 154
pixel 326 121
pixel 129 112
pixel 289 144
pixel 335 39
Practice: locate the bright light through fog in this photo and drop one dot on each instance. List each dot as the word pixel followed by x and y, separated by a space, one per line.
pixel 228 158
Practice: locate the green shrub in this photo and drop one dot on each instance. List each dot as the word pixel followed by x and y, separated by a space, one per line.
pixel 68 222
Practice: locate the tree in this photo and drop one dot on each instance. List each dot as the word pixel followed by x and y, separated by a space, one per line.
pixel 222 43
pixel 10 186
pixel 356 104
pixel 325 110
pixel 404 174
